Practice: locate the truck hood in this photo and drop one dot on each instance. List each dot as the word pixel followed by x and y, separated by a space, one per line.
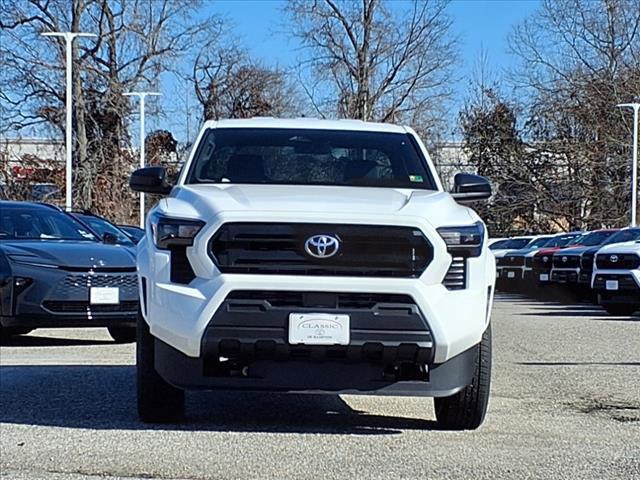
pixel 206 201
pixel 626 247
pixel 69 253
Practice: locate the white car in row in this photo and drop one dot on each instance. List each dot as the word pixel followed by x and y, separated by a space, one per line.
pixel 616 278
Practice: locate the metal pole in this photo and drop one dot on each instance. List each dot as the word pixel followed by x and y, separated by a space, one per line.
pixel 634 165
pixel 69 37
pixel 141 96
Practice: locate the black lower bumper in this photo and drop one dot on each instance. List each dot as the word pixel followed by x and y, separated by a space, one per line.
pixel 69 321
pixel 564 276
pixel 627 290
pixel 307 375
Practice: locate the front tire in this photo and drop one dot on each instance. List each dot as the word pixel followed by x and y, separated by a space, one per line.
pixel 620 310
pixel 158 401
pixel 466 409
pixel 122 334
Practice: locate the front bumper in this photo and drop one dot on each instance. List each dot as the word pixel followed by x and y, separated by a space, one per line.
pixel 61 298
pixel 627 291
pixel 309 375
pixel 565 276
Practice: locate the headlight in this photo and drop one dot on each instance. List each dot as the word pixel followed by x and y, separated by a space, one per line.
pixel 463 241
pixel 31 260
pixel 169 232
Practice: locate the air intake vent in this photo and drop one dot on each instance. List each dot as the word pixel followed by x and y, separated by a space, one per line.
pixel 456 277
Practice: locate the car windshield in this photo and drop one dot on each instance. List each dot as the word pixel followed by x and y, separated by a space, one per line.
pixel 135 233
pixel 538 243
pixel 499 244
pixel 596 238
pixel 624 236
pixel 40 223
pixel 562 240
pixel 310 157
pixel 517 243
pixel 102 226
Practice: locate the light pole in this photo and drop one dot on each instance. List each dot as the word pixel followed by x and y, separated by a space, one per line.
pixel 69 37
pixel 141 96
pixel 634 166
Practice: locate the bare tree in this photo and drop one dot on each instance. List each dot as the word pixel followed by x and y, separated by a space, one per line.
pixel 579 59
pixel 371 62
pixel 137 41
pixel 228 84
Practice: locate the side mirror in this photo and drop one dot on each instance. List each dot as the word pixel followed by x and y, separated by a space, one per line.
pixel 470 188
pixel 110 238
pixel 150 180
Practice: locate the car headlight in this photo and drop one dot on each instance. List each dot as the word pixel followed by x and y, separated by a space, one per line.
pixel 31 260
pixel 170 232
pixel 463 241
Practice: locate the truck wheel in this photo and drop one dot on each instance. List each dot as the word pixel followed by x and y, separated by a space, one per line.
pixel 158 401
pixel 466 409
pixel 122 334
pixel 620 310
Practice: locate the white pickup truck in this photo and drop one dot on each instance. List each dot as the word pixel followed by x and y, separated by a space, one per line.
pixel 314 256
pixel 616 278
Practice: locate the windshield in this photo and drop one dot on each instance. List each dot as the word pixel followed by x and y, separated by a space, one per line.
pixel 499 244
pixel 40 223
pixel 562 240
pixel 102 226
pixel 539 242
pixel 624 236
pixel 517 243
pixel 595 238
pixel 310 157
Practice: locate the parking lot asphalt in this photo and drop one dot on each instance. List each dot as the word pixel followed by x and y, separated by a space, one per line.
pixel 565 404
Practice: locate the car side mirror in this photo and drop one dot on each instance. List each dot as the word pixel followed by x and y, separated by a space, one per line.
pixel 110 238
pixel 470 188
pixel 150 180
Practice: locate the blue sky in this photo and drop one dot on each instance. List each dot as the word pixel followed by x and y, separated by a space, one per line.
pixel 480 24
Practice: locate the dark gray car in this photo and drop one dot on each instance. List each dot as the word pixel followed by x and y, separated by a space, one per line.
pixel 54 272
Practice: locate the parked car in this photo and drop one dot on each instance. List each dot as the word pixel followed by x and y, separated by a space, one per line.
pixel 510 267
pixel 542 260
pixel 134 233
pixel 54 272
pixel 587 257
pixel 104 229
pixel 566 263
pixel 616 278
pixel 314 255
pixel 511 244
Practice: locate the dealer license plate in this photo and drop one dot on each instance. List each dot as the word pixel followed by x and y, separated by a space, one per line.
pixel 611 285
pixel 544 277
pixel 318 329
pixel 104 296
pixel 511 274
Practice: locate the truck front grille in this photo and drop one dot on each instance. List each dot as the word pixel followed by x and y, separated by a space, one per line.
pixel 566 261
pixel 618 261
pixel 279 249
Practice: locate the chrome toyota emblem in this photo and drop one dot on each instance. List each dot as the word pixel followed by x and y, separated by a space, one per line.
pixel 322 246
pixel 564 259
pixel 614 258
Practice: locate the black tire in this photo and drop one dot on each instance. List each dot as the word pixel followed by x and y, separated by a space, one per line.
pixel 620 310
pixel 122 334
pixel 7 332
pixel 466 409
pixel 158 401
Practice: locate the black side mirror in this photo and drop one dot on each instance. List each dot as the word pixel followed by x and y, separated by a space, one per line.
pixel 470 188
pixel 150 180
pixel 110 238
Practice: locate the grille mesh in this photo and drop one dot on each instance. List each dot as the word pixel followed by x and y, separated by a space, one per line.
pixel 79 285
pixel 365 250
pixel 626 261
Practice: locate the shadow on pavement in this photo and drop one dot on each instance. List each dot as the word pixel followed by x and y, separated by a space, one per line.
pixel 579 364
pixel 103 397
pixel 36 341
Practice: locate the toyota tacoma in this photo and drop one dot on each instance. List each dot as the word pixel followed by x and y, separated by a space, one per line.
pixel 314 256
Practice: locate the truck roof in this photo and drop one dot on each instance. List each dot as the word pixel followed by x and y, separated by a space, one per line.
pixel 306 123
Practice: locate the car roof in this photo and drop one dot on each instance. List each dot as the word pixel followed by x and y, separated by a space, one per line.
pixel 306 123
pixel 17 203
